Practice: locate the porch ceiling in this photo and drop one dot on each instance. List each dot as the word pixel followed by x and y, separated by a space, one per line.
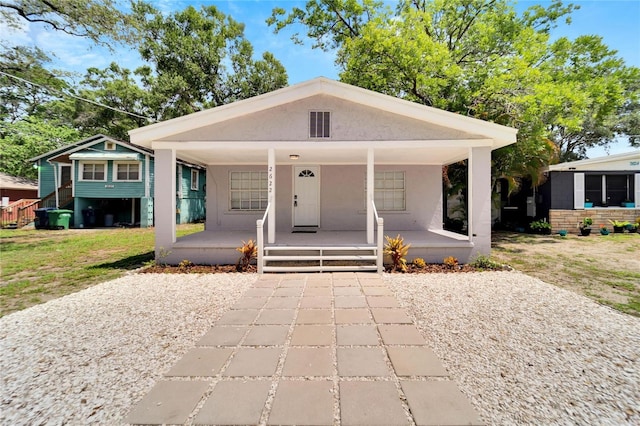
pixel 335 152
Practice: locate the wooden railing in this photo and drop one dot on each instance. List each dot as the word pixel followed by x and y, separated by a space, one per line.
pixel 19 213
pixel 65 195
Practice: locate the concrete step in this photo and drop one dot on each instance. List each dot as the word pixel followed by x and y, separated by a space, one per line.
pixel 318 268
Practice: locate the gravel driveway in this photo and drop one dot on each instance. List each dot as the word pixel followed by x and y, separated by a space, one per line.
pixel 523 351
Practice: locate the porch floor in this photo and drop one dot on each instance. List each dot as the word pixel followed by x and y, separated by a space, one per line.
pixel 232 239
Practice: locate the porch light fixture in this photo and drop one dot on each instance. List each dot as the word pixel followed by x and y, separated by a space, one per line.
pixel 294 156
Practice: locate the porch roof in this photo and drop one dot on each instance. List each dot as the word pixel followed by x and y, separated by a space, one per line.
pixel 448 140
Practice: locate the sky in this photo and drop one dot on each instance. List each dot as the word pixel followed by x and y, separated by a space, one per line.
pixel 616 21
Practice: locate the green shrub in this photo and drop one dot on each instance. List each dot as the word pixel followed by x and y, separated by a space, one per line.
pixel 485 263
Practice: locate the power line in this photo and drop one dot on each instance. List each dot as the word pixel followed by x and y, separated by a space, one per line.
pixel 59 92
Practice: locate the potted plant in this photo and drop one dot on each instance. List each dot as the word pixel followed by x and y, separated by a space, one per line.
pixel 604 230
pixel 562 232
pixel 540 227
pixel 585 226
pixel 588 203
pixel 619 225
pixel 628 204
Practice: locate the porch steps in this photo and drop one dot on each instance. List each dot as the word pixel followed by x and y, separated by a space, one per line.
pixel 319 258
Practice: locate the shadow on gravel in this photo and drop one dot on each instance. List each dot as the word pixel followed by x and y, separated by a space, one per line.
pixel 127 263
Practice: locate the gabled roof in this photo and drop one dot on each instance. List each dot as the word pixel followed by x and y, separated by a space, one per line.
pixel 501 135
pixel 600 162
pixel 101 138
pixel 88 141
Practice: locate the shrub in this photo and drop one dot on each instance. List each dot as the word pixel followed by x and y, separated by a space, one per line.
pixel 419 262
pixel 185 264
pixel 540 226
pixel 451 262
pixel 397 250
pixel 248 252
pixel 485 263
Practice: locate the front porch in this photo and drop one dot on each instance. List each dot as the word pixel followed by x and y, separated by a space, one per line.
pixel 219 247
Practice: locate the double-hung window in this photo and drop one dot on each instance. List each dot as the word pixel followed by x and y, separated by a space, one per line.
pixel 319 124
pixel 248 191
pixel 93 171
pixel 127 171
pixel 195 179
pixel 389 191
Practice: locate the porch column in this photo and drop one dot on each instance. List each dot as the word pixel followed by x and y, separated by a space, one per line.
pixel 370 192
pixel 271 179
pixel 165 200
pixel 479 203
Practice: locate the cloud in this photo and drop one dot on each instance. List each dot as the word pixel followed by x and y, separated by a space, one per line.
pixel 16 34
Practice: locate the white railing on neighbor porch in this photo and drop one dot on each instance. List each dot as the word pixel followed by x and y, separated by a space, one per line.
pixel 380 238
pixel 260 238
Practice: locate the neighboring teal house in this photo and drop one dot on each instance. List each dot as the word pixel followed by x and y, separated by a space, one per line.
pixel 107 182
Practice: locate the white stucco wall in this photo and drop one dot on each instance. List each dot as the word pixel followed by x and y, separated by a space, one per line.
pixel 349 122
pixel 342 199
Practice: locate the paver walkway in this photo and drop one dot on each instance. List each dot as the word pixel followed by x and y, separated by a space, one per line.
pixel 309 349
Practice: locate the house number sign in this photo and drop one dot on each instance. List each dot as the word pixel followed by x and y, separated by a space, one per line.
pixel 270 179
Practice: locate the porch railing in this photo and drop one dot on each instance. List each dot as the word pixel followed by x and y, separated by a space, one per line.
pixel 260 237
pixel 379 238
pixel 65 195
pixel 20 213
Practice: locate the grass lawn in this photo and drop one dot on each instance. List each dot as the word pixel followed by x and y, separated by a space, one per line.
pixel 39 265
pixel 605 268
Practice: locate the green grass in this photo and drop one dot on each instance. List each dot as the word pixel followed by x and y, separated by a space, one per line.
pixel 38 265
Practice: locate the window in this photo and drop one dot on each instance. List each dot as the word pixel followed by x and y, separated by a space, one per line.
pixel 608 189
pixel 93 171
pixel 195 179
pixel 319 124
pixel 389 191
pixel 248 190
pixel 109 146
pixel 127 171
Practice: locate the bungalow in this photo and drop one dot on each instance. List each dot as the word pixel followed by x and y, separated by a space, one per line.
pixel 108 182
pixel 328 169
pixel 603 188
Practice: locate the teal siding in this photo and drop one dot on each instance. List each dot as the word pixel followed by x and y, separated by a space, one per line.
pixel 46 182
pixel 191 207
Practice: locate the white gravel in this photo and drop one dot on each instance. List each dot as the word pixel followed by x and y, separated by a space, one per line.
pixel 526 352
pixel 88 357
pixel 523 351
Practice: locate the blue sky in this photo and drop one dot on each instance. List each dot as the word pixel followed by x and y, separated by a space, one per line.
pixel 617 21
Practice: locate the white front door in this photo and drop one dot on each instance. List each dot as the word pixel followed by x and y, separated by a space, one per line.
pixel 306 196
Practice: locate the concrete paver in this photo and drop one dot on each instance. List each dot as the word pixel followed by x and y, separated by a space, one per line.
pixel 223 336
pixel 309 349
pixel 247 399
pixel 168 402
pixel 253 362
pixel 438 403
pixel 361 335
pixel 302 403
pixel 371 403
pixel 201 362
pixel 305 362
pixel 415 361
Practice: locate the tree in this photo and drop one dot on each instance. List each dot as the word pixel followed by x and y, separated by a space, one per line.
pixel 200 59
pixel 480 58
pixel 29 138
pixel 98 20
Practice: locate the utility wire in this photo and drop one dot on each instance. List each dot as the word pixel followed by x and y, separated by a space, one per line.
pixel 61 93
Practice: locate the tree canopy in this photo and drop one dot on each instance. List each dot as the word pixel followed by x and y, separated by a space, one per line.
pixel 482 59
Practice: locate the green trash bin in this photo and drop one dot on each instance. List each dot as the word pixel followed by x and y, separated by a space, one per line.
pixel 59 219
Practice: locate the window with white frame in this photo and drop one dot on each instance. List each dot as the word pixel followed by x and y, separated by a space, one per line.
pixel 195 179
pixel 109 146
pixel 248 191
pixel 93 171
pixel 319 124
pixel 127 171
pixel 389 191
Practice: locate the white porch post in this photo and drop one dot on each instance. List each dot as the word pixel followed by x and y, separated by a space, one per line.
pixel 165 200
pixel 479 202
pixel 271 178
pixel 370 192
